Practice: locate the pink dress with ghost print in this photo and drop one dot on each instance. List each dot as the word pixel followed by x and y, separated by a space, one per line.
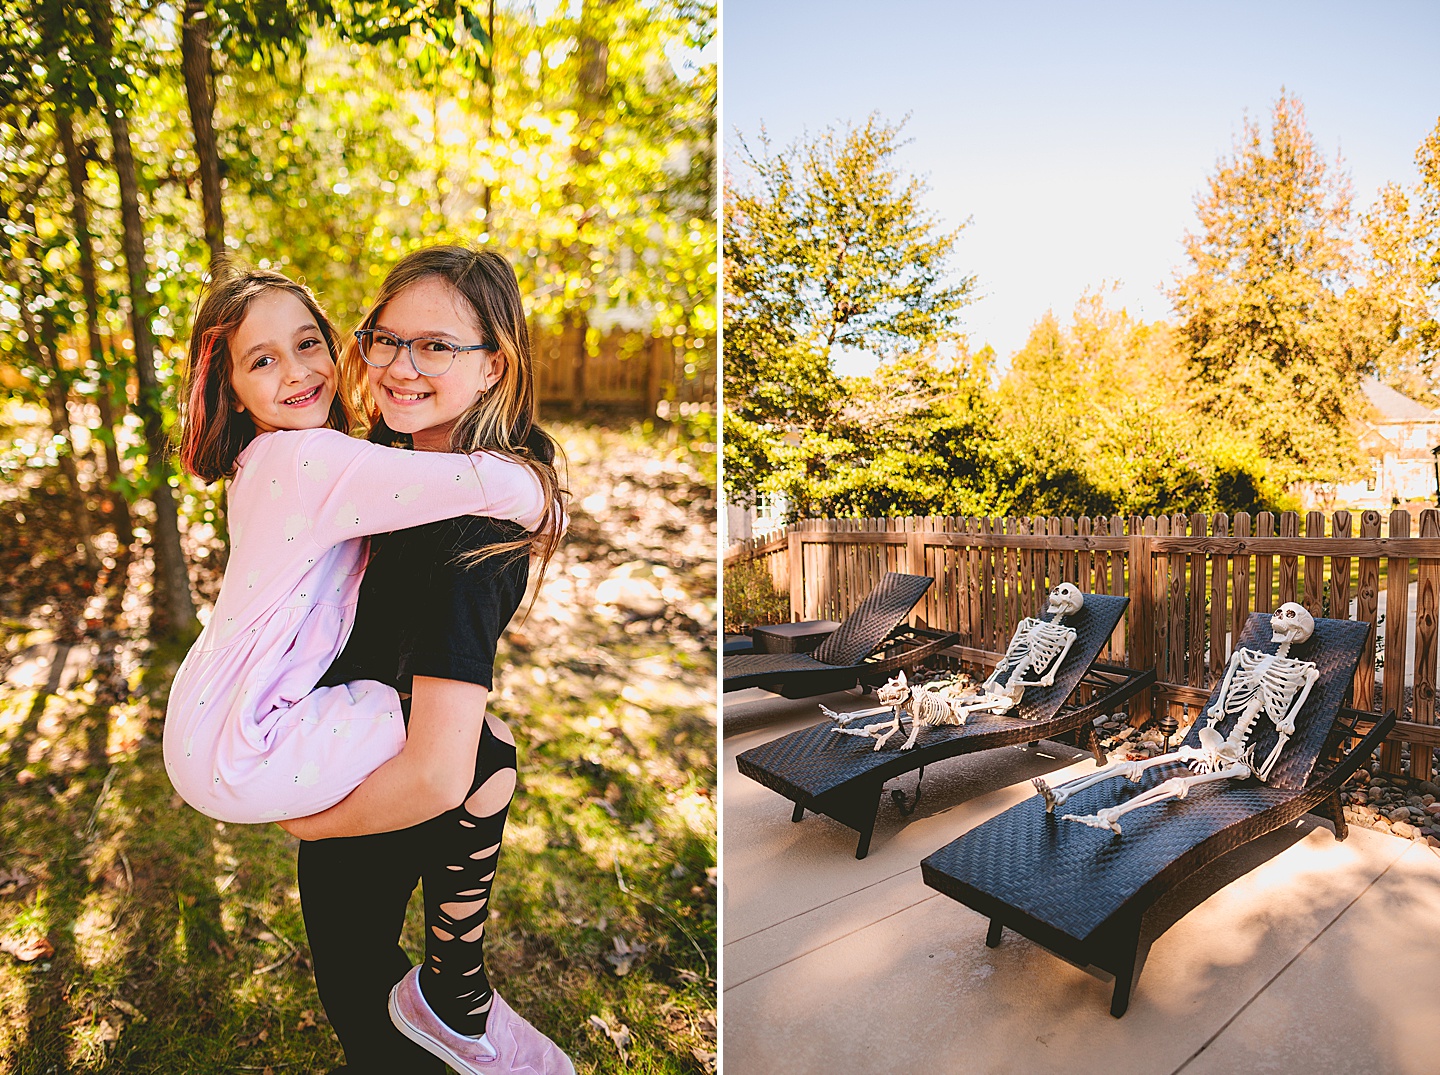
pixel 248 736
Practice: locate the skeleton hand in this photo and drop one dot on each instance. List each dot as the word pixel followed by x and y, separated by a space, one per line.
pixel 1051 799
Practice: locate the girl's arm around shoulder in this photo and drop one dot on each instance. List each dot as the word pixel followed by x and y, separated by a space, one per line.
pixel 430 776
pixel 352 488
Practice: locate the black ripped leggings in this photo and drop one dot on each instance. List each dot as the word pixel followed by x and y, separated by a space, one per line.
pixel 353 893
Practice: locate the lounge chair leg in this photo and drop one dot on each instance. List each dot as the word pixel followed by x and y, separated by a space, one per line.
pixel 1335 811
pixel 1120 999
pixel 799 812
pixel 1125 977
pixel 867 830
pixel 899 798
pixel 1092 741
pixel 992 935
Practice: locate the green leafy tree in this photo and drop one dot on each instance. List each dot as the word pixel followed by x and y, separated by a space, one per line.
pixel 827 246
pixel 1097 417
pixel 913 439
pixel 1396 302
pixel 1270 348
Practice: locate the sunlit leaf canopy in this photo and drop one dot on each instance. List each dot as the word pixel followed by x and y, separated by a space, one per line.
pixel 1248 398
pixel 352 133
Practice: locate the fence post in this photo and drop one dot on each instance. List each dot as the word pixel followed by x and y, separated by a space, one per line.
pixel 1367 602
pixel 653 373
pixel 797 576
pixel 1397 616
pixel 1142 637
pixel 1219 602
pixel 1427 594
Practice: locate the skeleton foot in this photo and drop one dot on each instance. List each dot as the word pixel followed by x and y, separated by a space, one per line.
pixel 881 740
pixel 1105 819
pixel 1051 797
pixel 849 731
pixel 846 718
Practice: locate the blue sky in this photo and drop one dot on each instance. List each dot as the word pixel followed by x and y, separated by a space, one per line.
pixel 1076 136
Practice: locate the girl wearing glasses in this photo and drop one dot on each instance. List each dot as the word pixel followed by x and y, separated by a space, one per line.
pixel 447 357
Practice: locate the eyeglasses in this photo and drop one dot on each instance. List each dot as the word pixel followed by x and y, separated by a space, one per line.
pixel 431 358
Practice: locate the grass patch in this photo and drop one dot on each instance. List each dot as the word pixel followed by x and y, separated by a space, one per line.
pixel 178 943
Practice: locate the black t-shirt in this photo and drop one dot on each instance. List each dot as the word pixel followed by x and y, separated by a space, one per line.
pixel 423 613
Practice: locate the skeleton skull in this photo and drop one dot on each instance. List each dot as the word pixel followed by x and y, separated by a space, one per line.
pixel 1291 623
pixel 1066 599
pixel 894 691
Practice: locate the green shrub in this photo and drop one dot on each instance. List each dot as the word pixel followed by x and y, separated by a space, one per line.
pixel 751 598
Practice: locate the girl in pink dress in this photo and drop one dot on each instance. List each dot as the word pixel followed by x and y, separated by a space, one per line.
pixel 248 736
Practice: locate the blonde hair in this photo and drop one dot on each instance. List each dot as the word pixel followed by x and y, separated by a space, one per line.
pixel 502 419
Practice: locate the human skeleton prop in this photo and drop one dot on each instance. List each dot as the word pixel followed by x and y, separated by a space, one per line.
pixel 1038 647
pixel 1273 685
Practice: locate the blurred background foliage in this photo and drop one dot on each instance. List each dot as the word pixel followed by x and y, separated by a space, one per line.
pixel 1248 394
pixel 139 141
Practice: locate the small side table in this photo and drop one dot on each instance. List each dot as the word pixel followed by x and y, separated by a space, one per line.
pixel 734 645
pixel 792 637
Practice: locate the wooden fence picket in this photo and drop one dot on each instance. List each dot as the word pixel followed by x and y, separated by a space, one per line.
pixel 1192 580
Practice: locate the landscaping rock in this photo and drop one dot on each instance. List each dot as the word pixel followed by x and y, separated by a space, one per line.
pixel 1408 831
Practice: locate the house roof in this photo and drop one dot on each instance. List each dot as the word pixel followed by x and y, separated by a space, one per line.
pixel 1395 406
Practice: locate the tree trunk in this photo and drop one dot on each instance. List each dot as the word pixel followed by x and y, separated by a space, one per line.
pixel 489 108
pixel 172 612
pixel 199 94
pixel 45 340
pixel 80 211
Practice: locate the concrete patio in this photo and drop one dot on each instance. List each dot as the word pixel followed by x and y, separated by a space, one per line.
pixel 1295 954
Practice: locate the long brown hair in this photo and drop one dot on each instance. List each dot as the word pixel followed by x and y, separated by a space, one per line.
pixel 502 420
pixel 213 432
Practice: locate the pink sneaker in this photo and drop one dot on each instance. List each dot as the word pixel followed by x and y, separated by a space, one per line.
pixel 523 1049
pixel 413 1018
pixel 510 1046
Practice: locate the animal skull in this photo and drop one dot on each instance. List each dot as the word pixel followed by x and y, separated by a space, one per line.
pixel 1065 599
pixel 1292 623
pixel 893 691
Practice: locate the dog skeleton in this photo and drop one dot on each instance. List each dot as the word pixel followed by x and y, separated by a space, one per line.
pixel 1273 685
pixel 925 704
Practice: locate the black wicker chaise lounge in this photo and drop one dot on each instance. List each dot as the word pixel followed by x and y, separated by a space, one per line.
pixel 870 644
pixel 1081 892
pixel 843 776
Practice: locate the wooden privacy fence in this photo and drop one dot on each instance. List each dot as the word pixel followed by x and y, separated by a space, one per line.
pixel 620 371
pixel 1192 582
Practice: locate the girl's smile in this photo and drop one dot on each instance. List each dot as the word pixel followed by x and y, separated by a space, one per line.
pixel 427 407
pixel 281 370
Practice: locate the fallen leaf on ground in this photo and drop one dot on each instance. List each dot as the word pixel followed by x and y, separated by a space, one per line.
pixel 619 1035
pixel 128 1008
pixel 107 1031
pixel 706 1058
pixel 28 949
pixel 307 1020
pixel 625 955
pixel 15 882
